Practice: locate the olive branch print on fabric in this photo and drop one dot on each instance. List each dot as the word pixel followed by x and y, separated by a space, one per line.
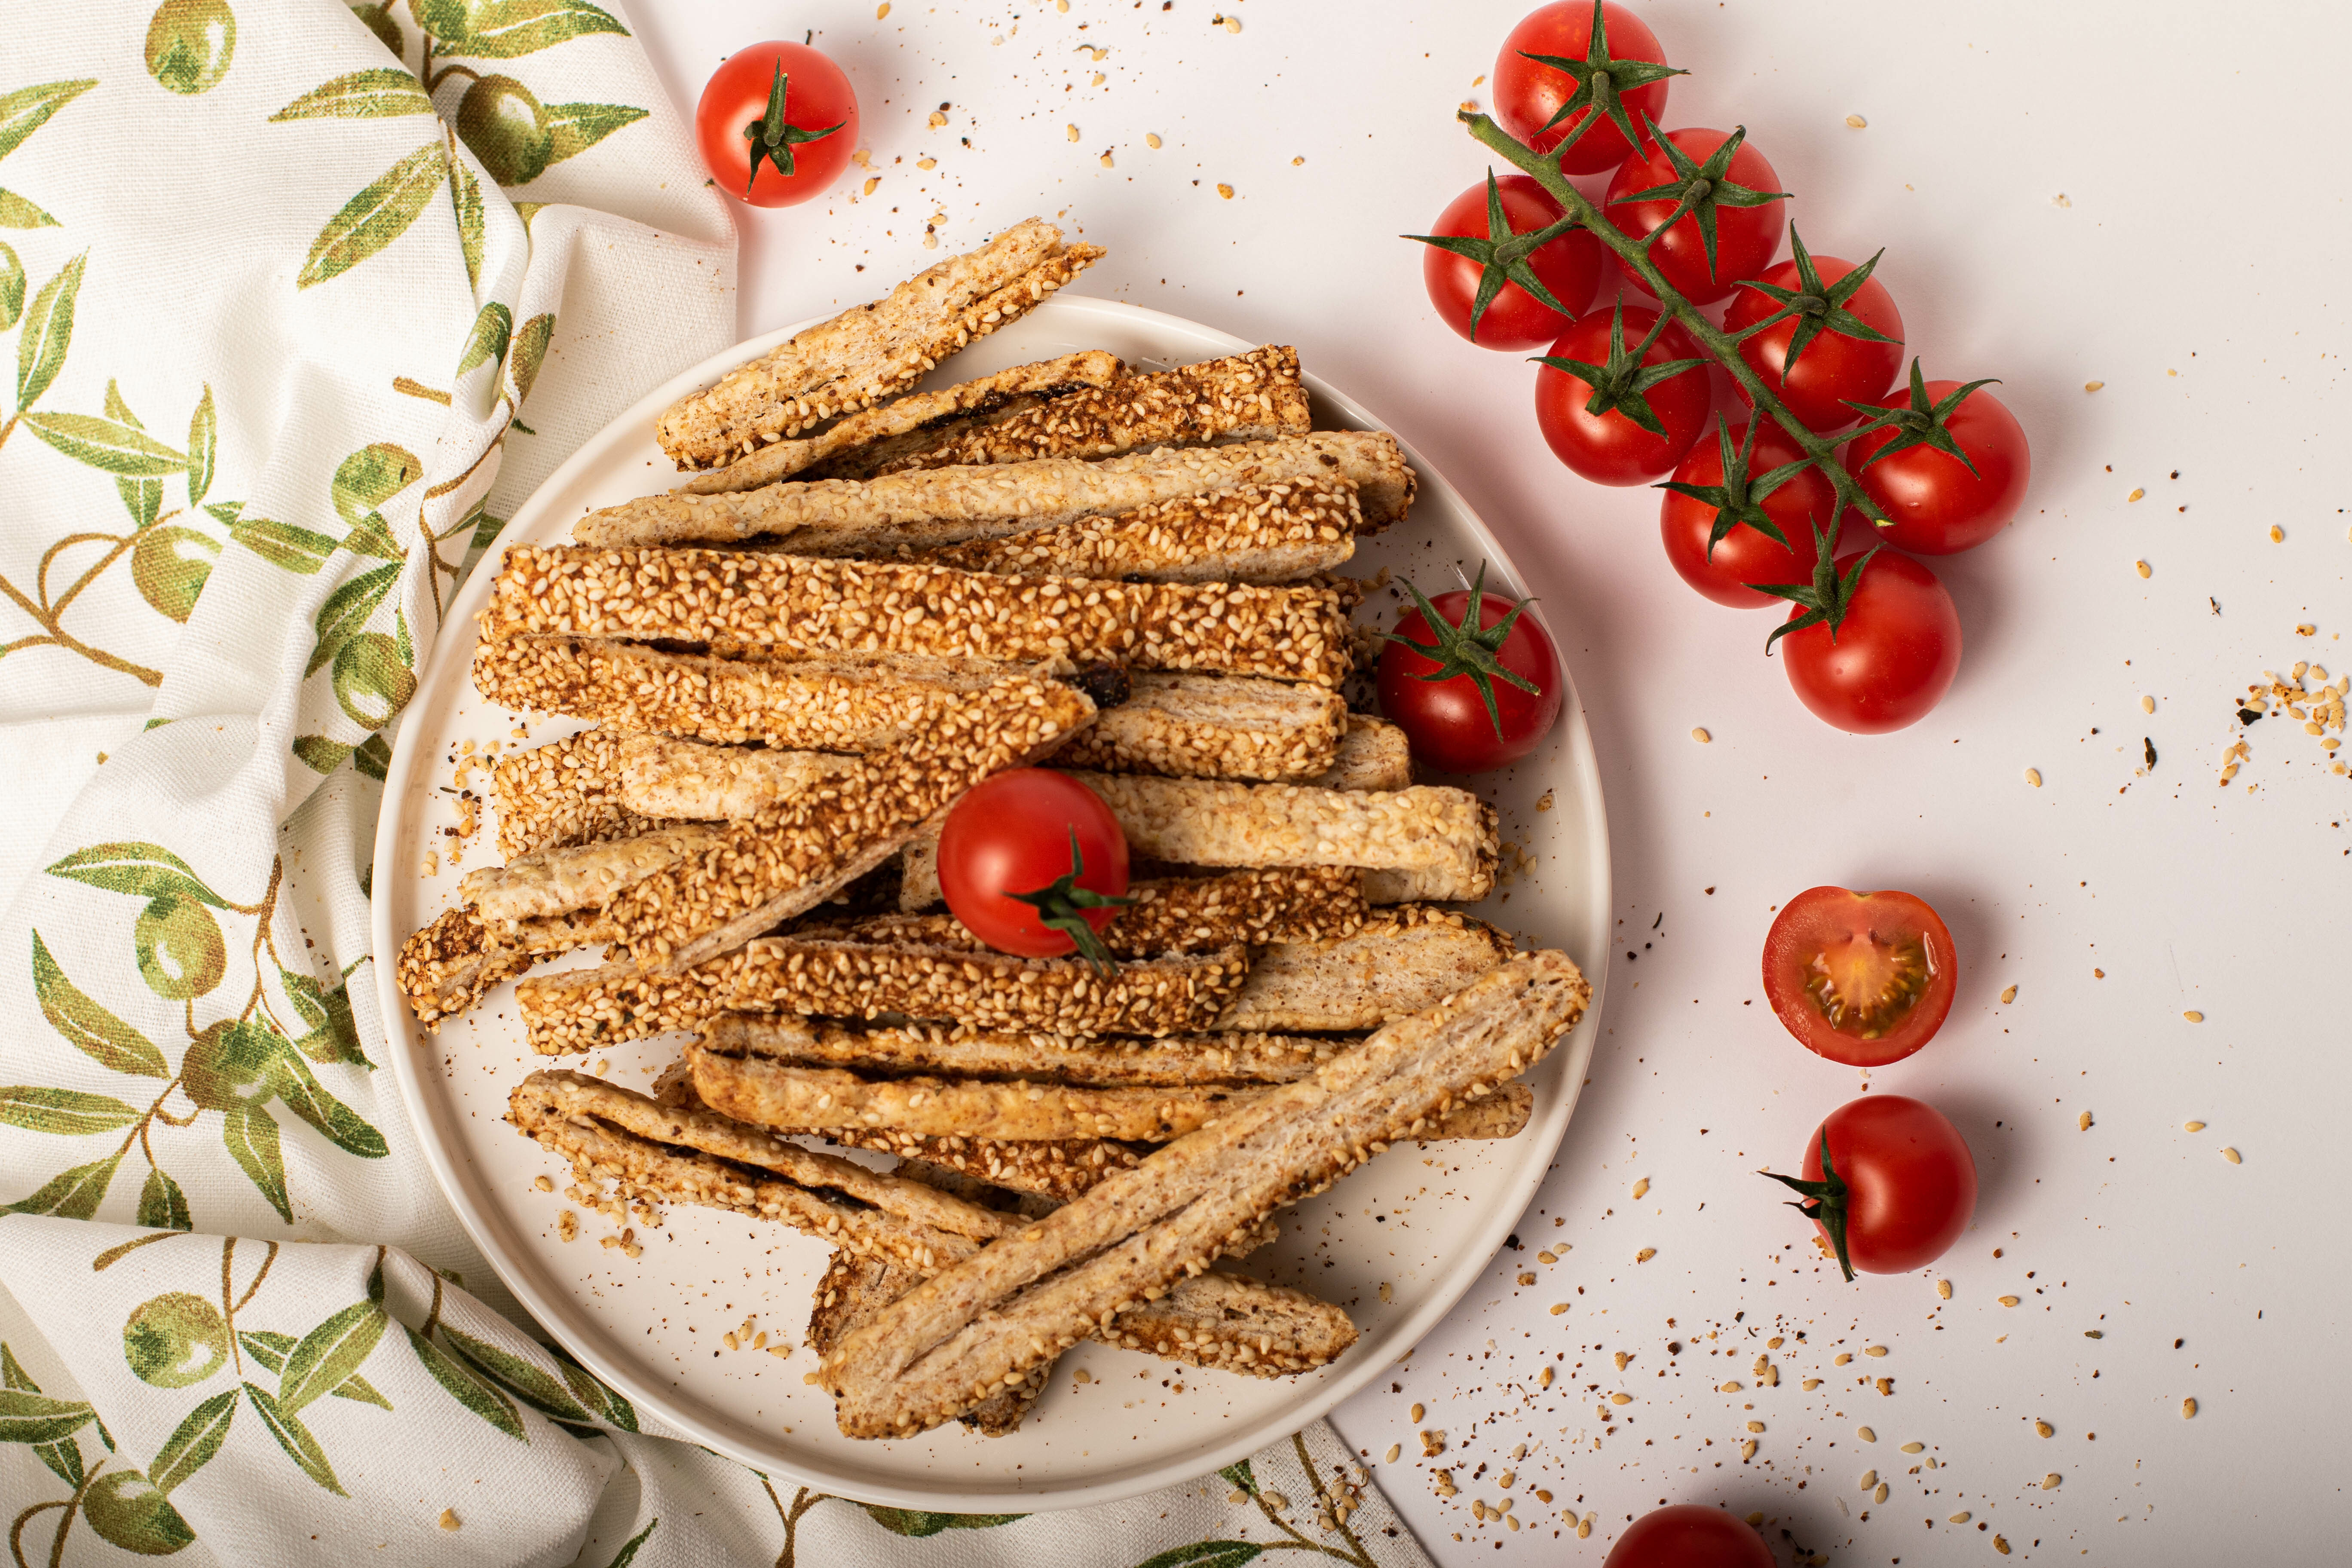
pixel 235 1066
pixel 245 1375
pixel 515 136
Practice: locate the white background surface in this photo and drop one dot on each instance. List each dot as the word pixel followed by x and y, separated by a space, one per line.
pixel 2203 237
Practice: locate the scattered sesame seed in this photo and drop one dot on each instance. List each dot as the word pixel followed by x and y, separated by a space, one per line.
pixel 1543 1379
pixel 938 119
pixel 2193 1127
pixel 2033 777
pixel 1873 1350
pixel 1151 140
pixel 1416 1413
pixel 449 1520
pixel 1395 1451
pixel 1646 1254
pixel 2194 1016
pixel 1914 1447
pixel 1811 1384
pixel 2144 569
pixel 1869 1479
pixel 2093 385
pixel 2231 1155
pixel 2009 1301
pixel 1943 1288
pixel 2135 495
pixel 1232 24
pixel 2000 1543
pixel 543 1184
pixel 2189 1410
pixel 2278 534
pixel 1856 123
pixel 2043 1428
pixel 1621 1399
pixel 2083 1122
pixel 1756 1426
pixel 1959 1518
pixel 1224 189
pixel 1701 736
pixel 1732 1387
pixel 882 10
pixel 1072 131
pixel 2049 1482
pixel 1881 1494
pixel 1841 1358
pixel 871 181
pixel 2094 1333
pixel 1557 1308
pixel 1106 162
pixel 2009 993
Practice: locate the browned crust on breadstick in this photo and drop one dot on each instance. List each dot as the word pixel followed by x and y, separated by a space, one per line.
pixel 958 1338
pixel 447 965
pixel 929 508
pixel 1183 914
pixel 1253 396
pixel 854 1288
pixel 580 1009
pixel 809 608
pixel 920 417
pixel 564 793
pixel 1398 963
pixel 1175 1061
pixel 665 777
pixel 1214 727
pixel 867 354
pixel 1372 754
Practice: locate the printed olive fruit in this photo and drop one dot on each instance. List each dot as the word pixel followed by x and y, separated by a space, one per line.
pixel 190 44
pixel 506 126
pixel 181 951
pixel 176 1340
pixel 228 1065
pixel 127 1512
pixel 370 681
pixel 170 565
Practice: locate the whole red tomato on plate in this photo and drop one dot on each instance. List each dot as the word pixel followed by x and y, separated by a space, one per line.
pixel 776 124
pixel 1728 501
pixel 1732 225
pixel 1861 978
pixel 1839 338
pixel 1619 415
pixel 1546 99
pixel 1494 276
pixel 1949 466
pixel 1872 644
pixel 1689 1535
pixel 1888 1182
pixel 1472 681
pixel 1034 863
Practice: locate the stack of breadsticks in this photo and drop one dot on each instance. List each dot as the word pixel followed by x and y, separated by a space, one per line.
pixel 865 601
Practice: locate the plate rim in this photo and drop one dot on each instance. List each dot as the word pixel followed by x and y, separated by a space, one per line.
pixel 1520 1186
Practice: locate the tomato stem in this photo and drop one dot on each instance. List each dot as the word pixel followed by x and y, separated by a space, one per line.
pixel 1633 255
pixel 1824 1201
pixel 1469 649
pixel 1061 903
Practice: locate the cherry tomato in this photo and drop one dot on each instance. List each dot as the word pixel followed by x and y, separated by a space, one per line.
pixel 1745 236
pixel 1861 978
pixel 1446 720
pixel 1892 656
pixel 1689 1535
pixel 1527 95
pixel 1905 1185
pixel 1939 508
pixel 1608 447
pixel 1569 267
pixel 1745 554
pixel 732 124
pixel 1834 367
pixel 1018 833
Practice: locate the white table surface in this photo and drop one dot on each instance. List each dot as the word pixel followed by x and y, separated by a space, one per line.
pixel 2220 341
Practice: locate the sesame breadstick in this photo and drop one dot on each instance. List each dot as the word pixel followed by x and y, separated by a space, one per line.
pixel 921 417
pixel 1254 533
pixel 1253 396
pixel 1175 1061
pixel 447 965
pixel 956 1339
pixel 563 793
pixel 927 508
pixel 854 1288
pixel 807 608
pixel 1181 914
pixel 662 776
pixel 583 1008
pixel 1215 727
pixel 1372 754
pixel 1398 963
pixel 869 353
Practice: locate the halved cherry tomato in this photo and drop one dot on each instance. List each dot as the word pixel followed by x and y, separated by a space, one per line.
pixel 1722 568
pixel 1610 447
pixel 1861 978
pixel 1890 1184
pixel 1034 863
pixel 1938 505
pixel 1689 1535
pixel 1743 200
pixel 1569 267
pixel 1528 93
pixel 1834 367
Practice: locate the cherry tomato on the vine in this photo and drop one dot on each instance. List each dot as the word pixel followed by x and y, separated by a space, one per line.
pixel 1529 93
pixel 1620 415
pixel 1889 1183
pixel 1834 366
pixel 1725 472
pixel 776 124
pixel 1689 1535
pixel 1482 694
pixel 1892 654
pixel 1034 863
pixel 1939 506
pixel 1740 199
pixel 1567 267
pixel 1861 978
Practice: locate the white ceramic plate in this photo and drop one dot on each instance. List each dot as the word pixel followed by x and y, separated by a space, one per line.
pixel 1396 1244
